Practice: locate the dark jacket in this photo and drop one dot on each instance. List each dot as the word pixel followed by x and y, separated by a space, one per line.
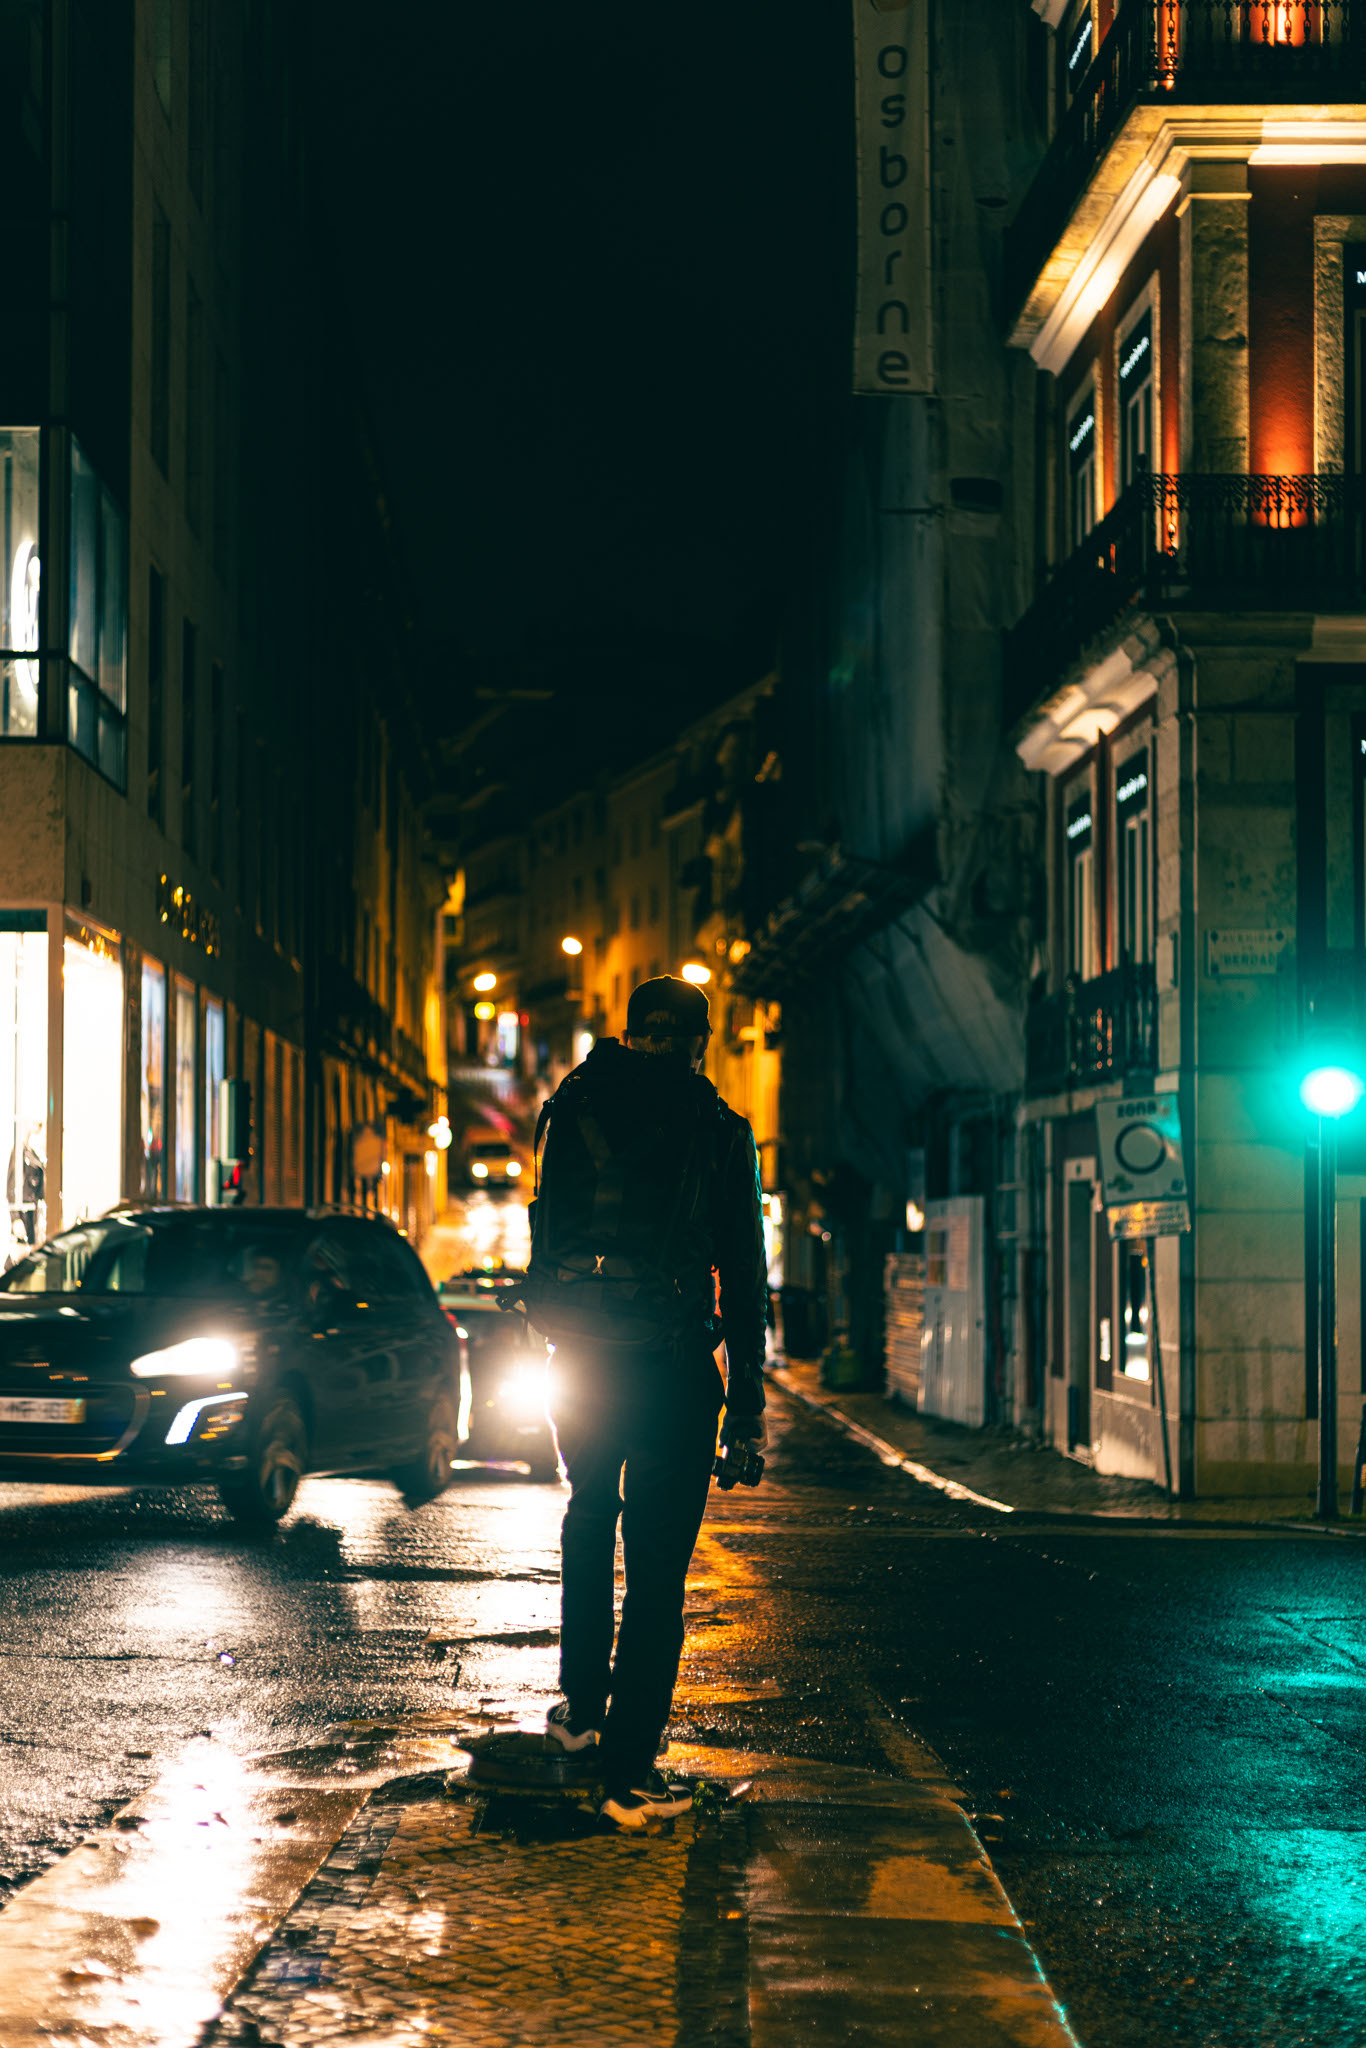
pixel 632 1090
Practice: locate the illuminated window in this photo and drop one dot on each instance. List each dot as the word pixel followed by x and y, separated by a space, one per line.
pixel 1082 948
pixel 1137 388
pixel 215 1065
pixel 152 1065
pixel 92 1075
pixel 1081 466
pixel 23 1080
pixel 19 580
pixel 1078 47
pixel 1133 832
pixel 97 683
pixel 186 1093
pixel 1135 1315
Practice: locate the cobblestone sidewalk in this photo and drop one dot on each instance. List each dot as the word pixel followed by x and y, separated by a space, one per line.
pixel 819 1904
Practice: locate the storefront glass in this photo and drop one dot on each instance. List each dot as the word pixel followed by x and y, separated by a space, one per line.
pixel 23 1080
pixel 92 1075
pixel 19 578
pixel 186 1093
pixel 215 1044
pixel 152 1066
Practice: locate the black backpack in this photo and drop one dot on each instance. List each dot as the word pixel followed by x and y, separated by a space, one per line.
pixel 608 1239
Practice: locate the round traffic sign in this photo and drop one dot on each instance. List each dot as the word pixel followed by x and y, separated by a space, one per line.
pixel 1140 1148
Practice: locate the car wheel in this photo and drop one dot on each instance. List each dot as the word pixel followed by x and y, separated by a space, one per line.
pixel 264 1494
pixel 429 1474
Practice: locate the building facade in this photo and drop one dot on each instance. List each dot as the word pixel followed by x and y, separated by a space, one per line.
pixel 1187 271
pixel 895 918
pixel 639 874
pixel 170 913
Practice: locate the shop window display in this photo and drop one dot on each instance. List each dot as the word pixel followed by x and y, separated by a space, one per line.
pixel 152 1066
pixel 23 1081
pixel 186 1094
pixel 214 1070
pixel 92 1074
pixel 20 571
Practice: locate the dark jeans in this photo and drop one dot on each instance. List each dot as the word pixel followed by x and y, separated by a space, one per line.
pixel 653 1412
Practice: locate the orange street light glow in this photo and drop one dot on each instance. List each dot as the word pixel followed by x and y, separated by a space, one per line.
pixel 695 972
pixel 571 945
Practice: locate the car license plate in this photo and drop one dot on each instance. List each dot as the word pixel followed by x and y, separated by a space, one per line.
pixel 34 1408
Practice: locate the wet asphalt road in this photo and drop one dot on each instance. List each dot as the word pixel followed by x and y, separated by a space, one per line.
pixel 1168 1725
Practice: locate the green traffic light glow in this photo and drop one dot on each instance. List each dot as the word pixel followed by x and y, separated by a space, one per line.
pixel 1331 1091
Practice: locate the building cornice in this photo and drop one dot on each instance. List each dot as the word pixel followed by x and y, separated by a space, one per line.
pixel 1104 235
pixel 1070 722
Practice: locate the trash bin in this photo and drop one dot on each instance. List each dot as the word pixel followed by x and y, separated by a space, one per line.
pixel 802 1320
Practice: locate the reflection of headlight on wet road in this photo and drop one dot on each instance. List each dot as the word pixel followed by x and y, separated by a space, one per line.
pixel 523 1392
pixel 201 1358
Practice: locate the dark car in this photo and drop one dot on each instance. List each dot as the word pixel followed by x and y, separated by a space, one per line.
pixel 503 1395
pixel 246 1346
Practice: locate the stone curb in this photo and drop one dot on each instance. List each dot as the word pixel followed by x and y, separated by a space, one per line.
pixel 817 1903
pixel 827 1406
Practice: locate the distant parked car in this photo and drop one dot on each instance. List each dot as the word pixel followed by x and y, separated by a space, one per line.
pixel 503 1374
pixel 246 1346
pixel 492 1162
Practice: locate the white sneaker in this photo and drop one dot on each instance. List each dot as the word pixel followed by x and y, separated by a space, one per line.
pixel 655 1799
pixel 561 1727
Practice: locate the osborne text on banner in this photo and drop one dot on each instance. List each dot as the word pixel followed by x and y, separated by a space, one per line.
pixel 892 314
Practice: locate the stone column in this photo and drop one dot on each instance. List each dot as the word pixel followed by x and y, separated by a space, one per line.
pixel 1214 319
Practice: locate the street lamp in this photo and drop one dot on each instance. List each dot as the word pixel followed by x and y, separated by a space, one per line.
pixel 484 982
pixel 571 946
pixel 1328 1092
pixel 695 972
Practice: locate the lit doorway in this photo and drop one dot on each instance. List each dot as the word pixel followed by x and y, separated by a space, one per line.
pixel 1079 1298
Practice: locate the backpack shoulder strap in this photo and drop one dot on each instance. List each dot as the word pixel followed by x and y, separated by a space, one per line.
pixel 693 1181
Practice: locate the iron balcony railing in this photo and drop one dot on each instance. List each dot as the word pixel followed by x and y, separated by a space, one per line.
pixel 1246 543
pixel 1090 1031
pixel 1166 51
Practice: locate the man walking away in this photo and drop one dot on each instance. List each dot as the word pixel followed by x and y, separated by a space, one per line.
pixel 650 1188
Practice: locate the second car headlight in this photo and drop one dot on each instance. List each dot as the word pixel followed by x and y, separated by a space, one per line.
pixel 209 1358
pixel 525 1391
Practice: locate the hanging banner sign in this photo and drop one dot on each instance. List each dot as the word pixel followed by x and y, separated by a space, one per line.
pixel 1142 1166
pixel 892 313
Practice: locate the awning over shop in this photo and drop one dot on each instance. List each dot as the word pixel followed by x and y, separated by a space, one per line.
pixel 839 905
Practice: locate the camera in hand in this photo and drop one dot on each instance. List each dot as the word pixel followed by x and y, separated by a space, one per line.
pixel 739 1464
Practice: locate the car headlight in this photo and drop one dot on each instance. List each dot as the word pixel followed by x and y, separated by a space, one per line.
pixel 514 1168
pixel 206 1358
pixel 479 1170
pixel 523 1392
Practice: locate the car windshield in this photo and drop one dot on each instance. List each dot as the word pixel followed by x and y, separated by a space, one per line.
pixel 174 1255
pixel 501 1150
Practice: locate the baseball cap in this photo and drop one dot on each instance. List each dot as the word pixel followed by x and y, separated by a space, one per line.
pixel 667 1007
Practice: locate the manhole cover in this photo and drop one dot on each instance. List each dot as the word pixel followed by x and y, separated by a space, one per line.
pixel 517 1758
